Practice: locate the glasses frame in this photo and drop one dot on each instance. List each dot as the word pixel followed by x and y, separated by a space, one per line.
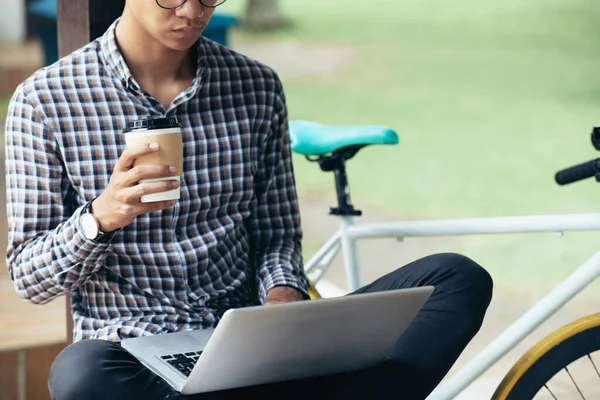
pixel 184 1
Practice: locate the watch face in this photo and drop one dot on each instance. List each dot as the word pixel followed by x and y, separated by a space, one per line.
pixel 89 226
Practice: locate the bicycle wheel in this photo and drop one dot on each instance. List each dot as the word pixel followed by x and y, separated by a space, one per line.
pixel 563 365
pixel 313 292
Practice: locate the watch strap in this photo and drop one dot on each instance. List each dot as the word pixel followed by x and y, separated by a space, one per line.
pixel 102 237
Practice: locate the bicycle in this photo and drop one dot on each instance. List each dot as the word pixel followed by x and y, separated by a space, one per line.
pixel 331 147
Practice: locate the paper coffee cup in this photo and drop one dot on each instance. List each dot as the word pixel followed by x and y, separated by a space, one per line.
pixel 167 133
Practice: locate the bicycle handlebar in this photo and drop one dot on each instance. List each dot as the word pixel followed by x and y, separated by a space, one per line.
pixel 578 172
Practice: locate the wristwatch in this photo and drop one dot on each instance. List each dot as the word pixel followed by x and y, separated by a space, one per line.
pixel 90 227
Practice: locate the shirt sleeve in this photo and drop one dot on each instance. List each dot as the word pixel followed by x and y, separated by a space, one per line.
pixel 275 225
pixel 47 254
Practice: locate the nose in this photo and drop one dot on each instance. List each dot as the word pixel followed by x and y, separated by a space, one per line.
pixel 191 9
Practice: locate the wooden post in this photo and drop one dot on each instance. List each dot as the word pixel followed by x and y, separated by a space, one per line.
pixel 79 22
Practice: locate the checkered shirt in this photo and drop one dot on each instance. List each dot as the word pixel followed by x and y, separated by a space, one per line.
pixel 233 236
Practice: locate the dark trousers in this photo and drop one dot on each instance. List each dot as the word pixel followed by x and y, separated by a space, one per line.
pixel 96 369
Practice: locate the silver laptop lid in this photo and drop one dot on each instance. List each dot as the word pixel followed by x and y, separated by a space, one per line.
pixel 264 344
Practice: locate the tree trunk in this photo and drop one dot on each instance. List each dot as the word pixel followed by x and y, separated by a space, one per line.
pixel 264 14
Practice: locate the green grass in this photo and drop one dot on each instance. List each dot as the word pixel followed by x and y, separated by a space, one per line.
pixel 489 100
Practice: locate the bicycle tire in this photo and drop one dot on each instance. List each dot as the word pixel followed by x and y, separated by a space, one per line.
pixel 548 357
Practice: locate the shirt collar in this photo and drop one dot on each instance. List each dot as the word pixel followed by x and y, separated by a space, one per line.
pixel 116 63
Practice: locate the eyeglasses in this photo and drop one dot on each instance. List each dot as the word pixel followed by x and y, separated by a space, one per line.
pixel 171 4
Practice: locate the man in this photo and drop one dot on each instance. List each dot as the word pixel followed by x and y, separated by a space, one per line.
pixel 233 240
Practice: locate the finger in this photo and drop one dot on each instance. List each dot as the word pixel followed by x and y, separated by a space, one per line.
pixel 132 195
pixel 146 188
pixel 130 153
pixel 146 172
pixel 155 206
pixel 136 207
pixel 159 205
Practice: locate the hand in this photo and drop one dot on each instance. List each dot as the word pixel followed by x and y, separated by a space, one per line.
pixel 283 294
pixel 120 203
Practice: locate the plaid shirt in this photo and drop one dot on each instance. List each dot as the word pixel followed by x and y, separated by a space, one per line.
pixel 234 234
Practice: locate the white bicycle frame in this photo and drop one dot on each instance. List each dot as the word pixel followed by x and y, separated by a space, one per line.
pixel 345 239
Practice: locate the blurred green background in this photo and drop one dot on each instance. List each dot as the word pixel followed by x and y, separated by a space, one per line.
pixel 489 99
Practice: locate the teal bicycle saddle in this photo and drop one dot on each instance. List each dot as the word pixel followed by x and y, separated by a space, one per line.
pixel 312 139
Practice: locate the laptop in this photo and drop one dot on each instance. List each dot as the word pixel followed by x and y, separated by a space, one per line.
pixel 265 344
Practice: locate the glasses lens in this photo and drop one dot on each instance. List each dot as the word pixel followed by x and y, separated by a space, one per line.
pixel 212 3
pixel 170 3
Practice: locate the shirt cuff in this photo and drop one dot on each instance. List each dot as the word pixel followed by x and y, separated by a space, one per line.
pixel 281 277
pixel 80 249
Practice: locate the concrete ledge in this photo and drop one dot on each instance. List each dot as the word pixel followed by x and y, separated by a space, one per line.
pixel 24 373
pixel 24 325
pixel 31 336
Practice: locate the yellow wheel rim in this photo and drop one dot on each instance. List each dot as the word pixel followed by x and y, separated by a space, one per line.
pixel 313 293
pixel 541 348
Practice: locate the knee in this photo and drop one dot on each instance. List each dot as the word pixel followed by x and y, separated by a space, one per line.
pixel 457 272
pixel 75 371
pixel 467 285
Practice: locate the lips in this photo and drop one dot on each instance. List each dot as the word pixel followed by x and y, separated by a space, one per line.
pixel 188 31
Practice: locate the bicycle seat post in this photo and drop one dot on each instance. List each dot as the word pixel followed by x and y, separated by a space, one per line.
pixel 337 163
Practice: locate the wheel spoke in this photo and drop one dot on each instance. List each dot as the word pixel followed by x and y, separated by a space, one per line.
pixel 550 391
pixel 574 383
pixel 594 364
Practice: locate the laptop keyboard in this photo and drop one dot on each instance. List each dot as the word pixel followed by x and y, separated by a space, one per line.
pixel 182 362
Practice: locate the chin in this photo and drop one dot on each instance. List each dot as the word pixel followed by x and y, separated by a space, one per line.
pixel 182 45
